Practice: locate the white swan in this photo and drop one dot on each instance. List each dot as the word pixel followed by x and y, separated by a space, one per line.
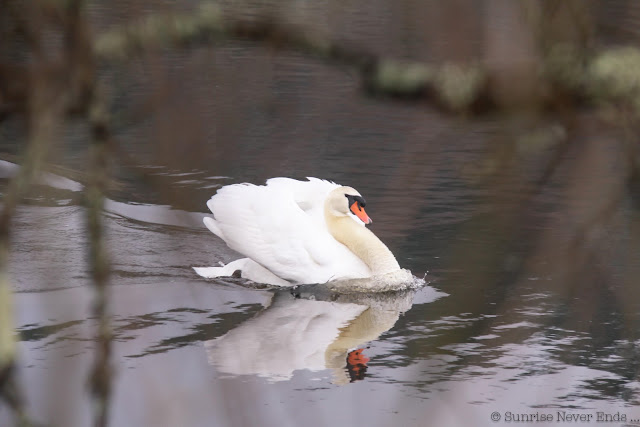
pixel 296 232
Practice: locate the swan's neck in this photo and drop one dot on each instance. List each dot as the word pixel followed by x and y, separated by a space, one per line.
pixel 363 243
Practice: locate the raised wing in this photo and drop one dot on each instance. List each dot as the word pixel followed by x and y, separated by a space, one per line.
pixel 281 226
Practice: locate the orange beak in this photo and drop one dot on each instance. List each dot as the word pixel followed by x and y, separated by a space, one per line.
pixel 360 213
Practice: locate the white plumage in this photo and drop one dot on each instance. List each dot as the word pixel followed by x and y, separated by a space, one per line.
pixel 283 228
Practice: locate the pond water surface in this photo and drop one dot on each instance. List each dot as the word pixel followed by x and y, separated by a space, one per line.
pixel 190 351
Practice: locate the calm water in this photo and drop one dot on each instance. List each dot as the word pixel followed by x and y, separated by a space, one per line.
pixel 515 320
pixel 194 352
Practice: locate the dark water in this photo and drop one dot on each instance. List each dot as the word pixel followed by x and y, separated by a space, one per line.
pixel 450 353
pixel 516 319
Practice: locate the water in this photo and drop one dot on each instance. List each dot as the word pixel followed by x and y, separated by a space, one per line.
pixel 531 308
pixel 205 352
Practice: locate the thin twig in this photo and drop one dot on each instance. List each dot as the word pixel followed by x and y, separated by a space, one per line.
pixel 101 377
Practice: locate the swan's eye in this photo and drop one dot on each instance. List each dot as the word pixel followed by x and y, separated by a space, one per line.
pixel 358 200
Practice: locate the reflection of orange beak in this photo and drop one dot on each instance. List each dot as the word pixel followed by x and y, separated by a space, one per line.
pixel 357 358
pixel 357 364
pixel 360 213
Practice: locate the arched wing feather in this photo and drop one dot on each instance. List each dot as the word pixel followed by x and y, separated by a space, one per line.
pixel 281 226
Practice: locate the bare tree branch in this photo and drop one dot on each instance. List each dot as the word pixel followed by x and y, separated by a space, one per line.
pixel 101 375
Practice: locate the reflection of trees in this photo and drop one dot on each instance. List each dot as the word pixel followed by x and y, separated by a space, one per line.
pixel 544 60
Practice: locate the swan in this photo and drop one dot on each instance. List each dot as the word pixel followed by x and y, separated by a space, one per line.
pixel 296 232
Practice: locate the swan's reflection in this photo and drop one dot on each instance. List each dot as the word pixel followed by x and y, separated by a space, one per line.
pixel 311 329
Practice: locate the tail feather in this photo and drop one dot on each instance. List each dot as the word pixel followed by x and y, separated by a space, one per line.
pixel 212 272
pixel 223 271
pixel 249 269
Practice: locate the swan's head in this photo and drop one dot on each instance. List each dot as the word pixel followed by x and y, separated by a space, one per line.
pixel 346 201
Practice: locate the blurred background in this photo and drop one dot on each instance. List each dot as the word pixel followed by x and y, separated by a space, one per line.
pixel 496 143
